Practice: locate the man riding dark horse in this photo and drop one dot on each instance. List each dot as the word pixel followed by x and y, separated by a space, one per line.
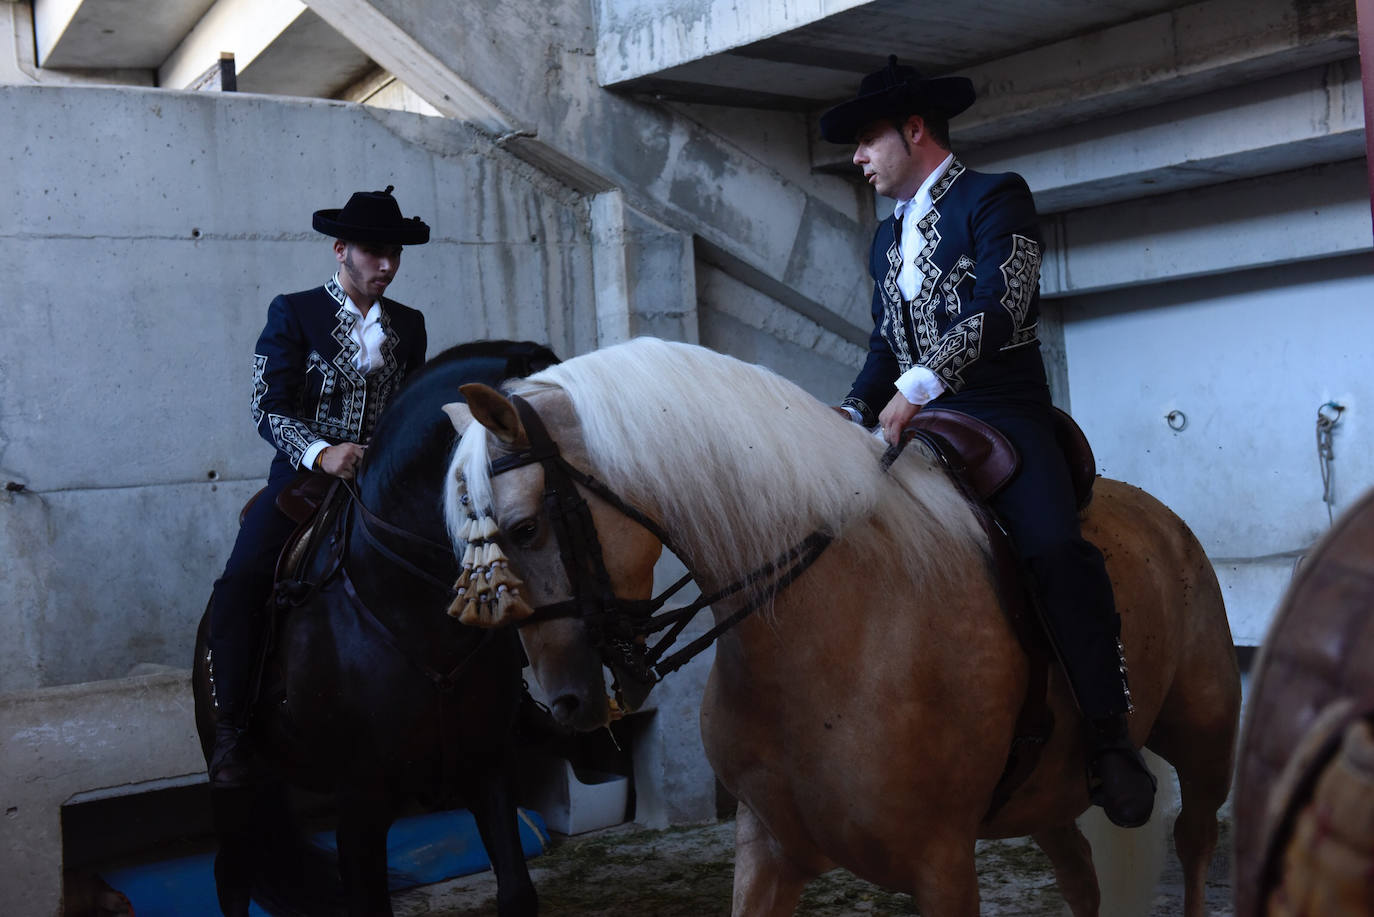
pixel 326 364
pixel 956 301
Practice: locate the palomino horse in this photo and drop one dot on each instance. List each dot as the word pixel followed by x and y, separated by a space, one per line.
pixel 863 714
pixel 373 694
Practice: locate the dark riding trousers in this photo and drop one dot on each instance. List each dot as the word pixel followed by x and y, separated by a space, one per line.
pixel 305 388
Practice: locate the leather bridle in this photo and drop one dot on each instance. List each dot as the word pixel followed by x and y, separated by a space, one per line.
pixel 619 628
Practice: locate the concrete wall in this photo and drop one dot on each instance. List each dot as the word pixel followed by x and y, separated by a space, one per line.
pixel 740 320
pixel 1249 359
pixel 146 232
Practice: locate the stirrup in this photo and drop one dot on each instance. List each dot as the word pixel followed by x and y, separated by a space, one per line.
pixel 1130 807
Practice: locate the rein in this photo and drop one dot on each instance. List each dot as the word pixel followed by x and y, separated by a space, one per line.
pixel 367 520
pixel 619 626
pixel 337 566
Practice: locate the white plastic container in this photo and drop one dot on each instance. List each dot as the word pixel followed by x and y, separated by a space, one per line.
pixel 576 801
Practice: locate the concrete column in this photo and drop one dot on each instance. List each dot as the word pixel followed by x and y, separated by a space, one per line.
pixel 644 274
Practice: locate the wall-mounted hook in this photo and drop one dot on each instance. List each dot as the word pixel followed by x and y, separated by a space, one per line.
pixel 1176 420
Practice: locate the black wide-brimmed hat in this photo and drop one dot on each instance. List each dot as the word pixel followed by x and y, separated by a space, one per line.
pixel 896 90
pixel 372 216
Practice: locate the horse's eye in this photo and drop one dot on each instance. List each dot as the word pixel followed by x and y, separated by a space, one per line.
pixel 523 533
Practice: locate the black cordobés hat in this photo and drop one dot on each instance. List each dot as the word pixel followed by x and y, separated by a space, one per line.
pixel 896 90
pixel 372 216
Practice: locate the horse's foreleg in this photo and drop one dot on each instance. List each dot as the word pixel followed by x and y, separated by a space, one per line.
pixel 235 861
pixel 493 807
pixel 946 882
pixel 1072 859
pixel 767 882
pixel 361 836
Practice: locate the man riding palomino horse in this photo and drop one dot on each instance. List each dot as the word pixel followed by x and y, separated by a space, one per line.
pixel 326 364
pixel 956 273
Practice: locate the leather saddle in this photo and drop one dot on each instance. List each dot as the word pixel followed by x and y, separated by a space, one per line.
pixel 300 501
pixel 986 459
pixel 981 460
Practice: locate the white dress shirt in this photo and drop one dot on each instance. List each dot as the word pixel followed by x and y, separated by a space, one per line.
pixel 918 384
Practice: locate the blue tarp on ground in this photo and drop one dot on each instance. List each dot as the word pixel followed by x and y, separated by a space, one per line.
pixel 424 848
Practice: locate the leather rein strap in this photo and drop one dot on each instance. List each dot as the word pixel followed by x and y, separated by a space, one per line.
pixel 620 626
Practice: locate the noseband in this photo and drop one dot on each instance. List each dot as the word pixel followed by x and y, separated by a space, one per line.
pixel 618 627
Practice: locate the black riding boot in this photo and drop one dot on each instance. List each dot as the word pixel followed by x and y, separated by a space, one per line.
pixel 1118 779
pixel 234 668
pixel 234 761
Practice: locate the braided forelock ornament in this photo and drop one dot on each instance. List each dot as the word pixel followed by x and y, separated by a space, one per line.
pixel 488 591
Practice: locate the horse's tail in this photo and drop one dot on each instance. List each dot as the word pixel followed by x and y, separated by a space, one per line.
pixel 1130 861
pixel 264 849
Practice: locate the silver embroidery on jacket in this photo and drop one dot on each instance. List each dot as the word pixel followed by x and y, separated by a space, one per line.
pixel 347 403
pixel 259 386
pixel 949 289
pixel 1021 274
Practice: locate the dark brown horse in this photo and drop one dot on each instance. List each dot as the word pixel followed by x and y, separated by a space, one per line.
pixel 1304 804
pixel 863 714
pixel 373 694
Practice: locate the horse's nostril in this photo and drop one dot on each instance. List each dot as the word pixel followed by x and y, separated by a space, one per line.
pixel 565 707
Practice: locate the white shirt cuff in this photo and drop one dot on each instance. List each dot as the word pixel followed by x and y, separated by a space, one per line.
pixel 920 386
pixel 308 458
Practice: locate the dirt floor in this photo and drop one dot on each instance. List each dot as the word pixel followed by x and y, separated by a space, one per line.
pixel 686 872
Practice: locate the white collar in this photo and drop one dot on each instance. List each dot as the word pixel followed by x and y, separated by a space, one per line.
pixel 347 302
pixel 921 202
pixel 371 318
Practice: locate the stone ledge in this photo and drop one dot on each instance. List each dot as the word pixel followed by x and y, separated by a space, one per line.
pixel 77 742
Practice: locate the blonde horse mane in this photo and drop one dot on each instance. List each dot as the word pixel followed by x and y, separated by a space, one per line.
pixel 739 464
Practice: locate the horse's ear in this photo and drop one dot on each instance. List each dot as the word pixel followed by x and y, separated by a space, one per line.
pixel 458 414
pixel 495 412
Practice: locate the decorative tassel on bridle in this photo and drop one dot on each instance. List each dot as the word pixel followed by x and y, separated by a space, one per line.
pixel 488 591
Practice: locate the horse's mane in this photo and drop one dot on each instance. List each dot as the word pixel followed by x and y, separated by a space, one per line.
pixel 740 463
pixel 413 431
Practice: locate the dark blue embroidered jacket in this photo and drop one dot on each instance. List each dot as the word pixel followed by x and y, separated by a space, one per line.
pixel 973 320
pixel 305 387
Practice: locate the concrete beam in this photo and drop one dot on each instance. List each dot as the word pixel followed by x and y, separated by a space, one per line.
pixel 19 61
pixel 308 59
pixel 99 33
pixel 536 58
pixel 1184 52
pixel 1281 124
pixel 279 47
pixel 242 27
pixel 1321 212
pixel 1147 62
pixel 647 37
